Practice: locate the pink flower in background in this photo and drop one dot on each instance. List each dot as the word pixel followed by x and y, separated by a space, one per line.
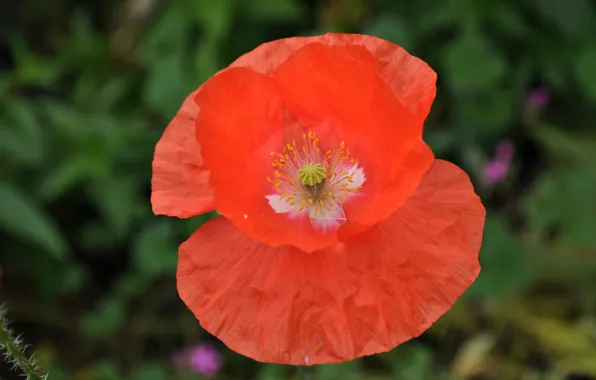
pixel 203 359
pixel 538 98
pixel 495 171
pixel 498 167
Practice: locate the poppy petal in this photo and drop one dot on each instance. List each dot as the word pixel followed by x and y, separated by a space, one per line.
pixel 412 81
pixel 243 120
pixel 180 181
pixel 277 304
pixel 273 304
pixel 318 84
pixel 418 262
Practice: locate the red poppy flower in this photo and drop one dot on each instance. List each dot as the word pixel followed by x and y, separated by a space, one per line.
pixel 341 235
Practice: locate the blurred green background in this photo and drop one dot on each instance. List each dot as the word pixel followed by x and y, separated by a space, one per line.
pixel 87 88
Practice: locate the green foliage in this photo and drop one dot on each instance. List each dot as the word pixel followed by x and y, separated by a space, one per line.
pixel 346 371
pixel 150 371
pixel 504 262
pixel 25 219
pixel 154 250
pixel 105 320
pixel 572 19
pixel 472 64
pixel 584 70
pixel 564 200
pixel 86 93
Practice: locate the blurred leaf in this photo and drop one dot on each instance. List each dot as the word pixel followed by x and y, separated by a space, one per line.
pixel 559 338
pixel 391 28
pixel 273 10
pixel 21 137
pixel 345 371
pixel 552 62
pixel 168 35
pixel 564 146
pixel 206 61
pixel 584 365
pixel 416 365
pixel 23 218
pixel 585 72
pixel 507 18
pixel 272 372
pixel 216 16
pixel 33 69
pixel 66 123
pixel 22 113
pixel 445 15
pixel 505 265
pixel 99 97
pixel 441 140
pixel 105 320
pixel 97 236
pixel 15 146
pixel 66 175
pixel 564 199
pixel 165 53
pixel 5 83
pixel 472 358
pixel 111 93
pixel 102 370
pixel 484 116
pixel 573 18
pixel 85 51
pixel 472 64
pixel 73 279
pixel 473 159
pixel 410 361
pixel 150 371
pixel 167 85
pixel 154 250
pixel 117 201
pixel 131 284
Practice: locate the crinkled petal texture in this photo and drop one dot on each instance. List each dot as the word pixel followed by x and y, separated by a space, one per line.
pixel 180 175
pixel 353 299
pixel 242 120
pixel 412 81
pixel 338 91
pixel 180 183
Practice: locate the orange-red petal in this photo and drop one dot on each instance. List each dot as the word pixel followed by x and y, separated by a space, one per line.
pixel 412 81
pixel 336 91
pixel 243 120
pixel 180 181
pixel 359 298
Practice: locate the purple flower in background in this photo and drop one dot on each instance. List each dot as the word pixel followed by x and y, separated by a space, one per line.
pixel 203 359
pixel 498 167
pixel 495 171
pixel 538 98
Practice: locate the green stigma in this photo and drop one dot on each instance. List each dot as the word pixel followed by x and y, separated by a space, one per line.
pixel 312 174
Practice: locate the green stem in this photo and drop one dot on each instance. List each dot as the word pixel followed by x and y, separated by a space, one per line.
pixel 15 350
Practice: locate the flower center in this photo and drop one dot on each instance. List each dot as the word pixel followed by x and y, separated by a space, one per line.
pixel 310 181
pixel 312 174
